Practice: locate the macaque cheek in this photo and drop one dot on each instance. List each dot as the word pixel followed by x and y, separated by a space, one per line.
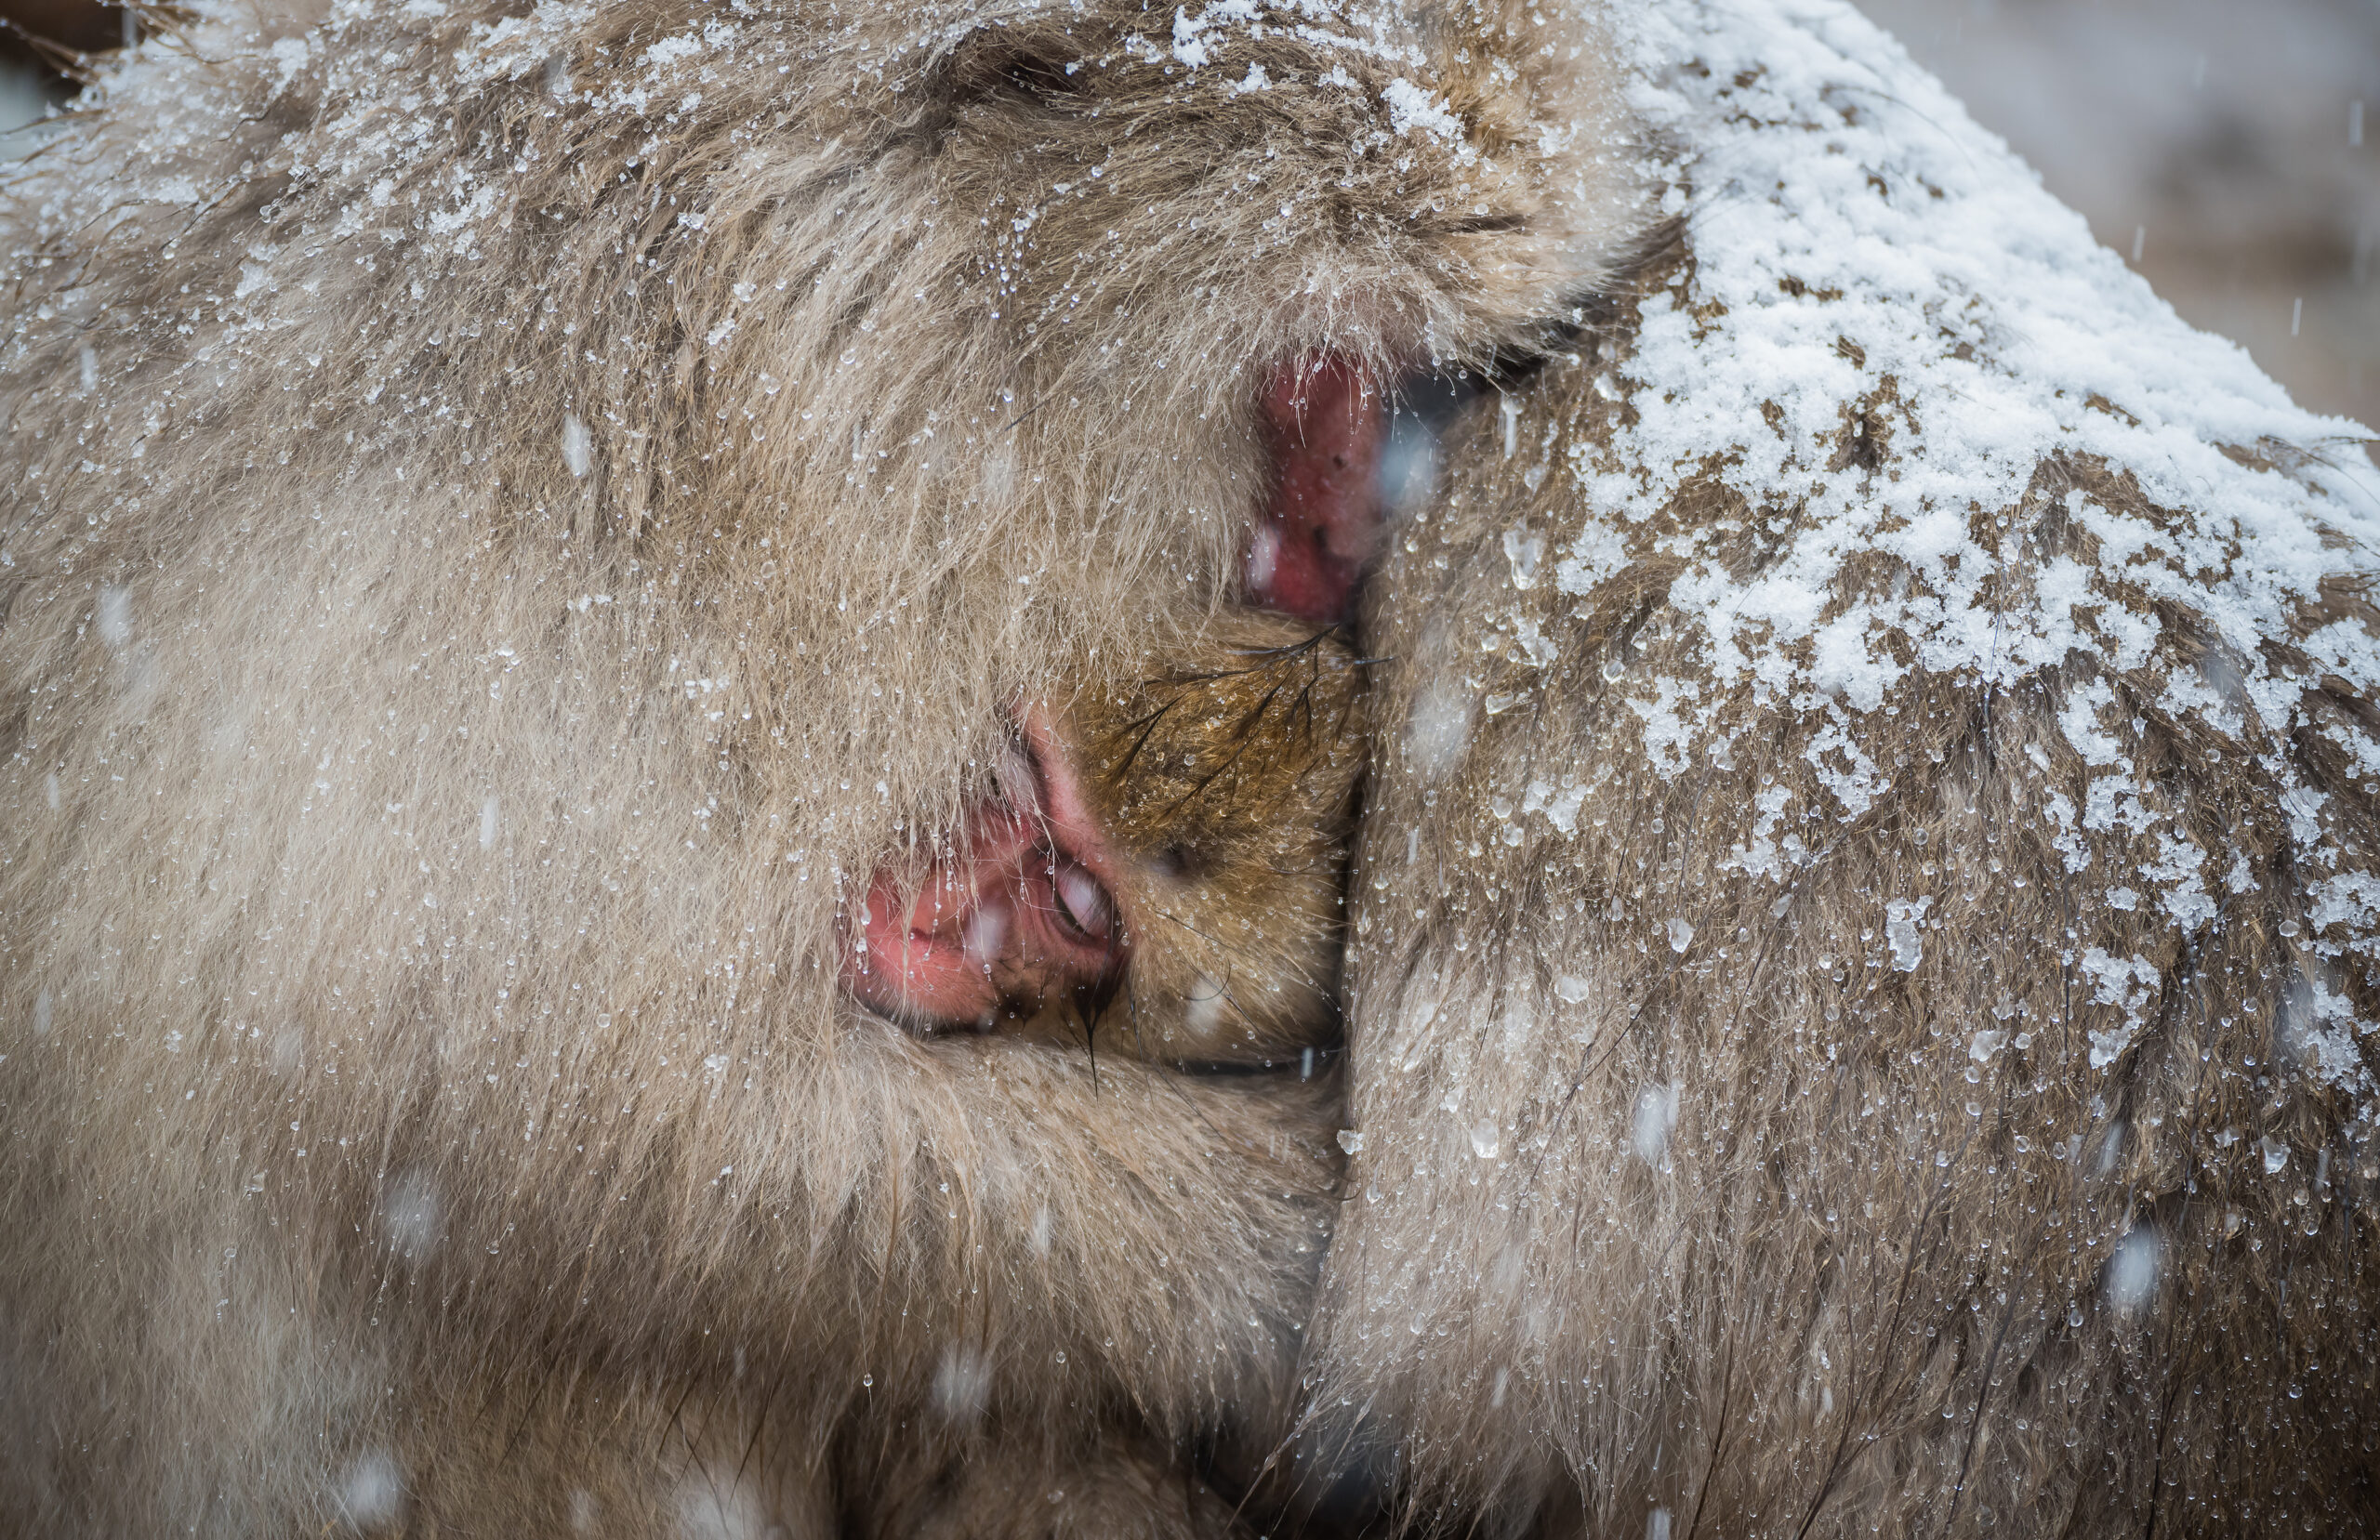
pixel 928 962
pixel 1324 428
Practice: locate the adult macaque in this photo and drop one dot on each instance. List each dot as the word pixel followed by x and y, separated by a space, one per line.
pixel 1159 873
pixel 512 517
pixel 1862 1006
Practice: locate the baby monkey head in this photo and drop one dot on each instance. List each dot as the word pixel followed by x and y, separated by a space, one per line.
pixel 1159 870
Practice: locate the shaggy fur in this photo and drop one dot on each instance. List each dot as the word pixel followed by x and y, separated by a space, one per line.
pixel 1703 1197
pixel 511 518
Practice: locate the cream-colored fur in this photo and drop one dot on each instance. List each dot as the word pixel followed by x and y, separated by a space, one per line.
pixel 511 515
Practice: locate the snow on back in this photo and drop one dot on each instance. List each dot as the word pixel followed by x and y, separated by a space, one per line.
pixel 1866 262
pixel 1850 224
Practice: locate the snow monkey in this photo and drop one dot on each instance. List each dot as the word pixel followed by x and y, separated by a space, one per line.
pixel 516 516
pixel 1862 1003
pixel 1163 853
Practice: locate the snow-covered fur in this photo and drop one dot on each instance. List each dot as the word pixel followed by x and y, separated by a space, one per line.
pixel 510 514
pixel 1863 997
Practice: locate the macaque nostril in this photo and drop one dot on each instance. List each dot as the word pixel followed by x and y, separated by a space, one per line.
pixel 1085 902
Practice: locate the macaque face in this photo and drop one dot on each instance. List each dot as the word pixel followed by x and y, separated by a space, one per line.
pixel 1158 870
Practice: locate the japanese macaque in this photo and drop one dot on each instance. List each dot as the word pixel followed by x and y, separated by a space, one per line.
pixel 1935 1100
pixel 515 518
pixel 1163 857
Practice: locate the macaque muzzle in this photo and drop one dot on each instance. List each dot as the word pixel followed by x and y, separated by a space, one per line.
pixel 1162 859
pixel 1017 919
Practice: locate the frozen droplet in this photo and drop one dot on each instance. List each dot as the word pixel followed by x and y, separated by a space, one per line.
pixel 715 1064
pixel 87 362
pixel 1680 935
pixel 1569 988
pixel 1485 1140
pixel 114 615
pixel 1984 1045
pixel 487 824
pixel 577 445
pixel 2276 1155
pixel 370 1488
pixel 2131 1274
pixel 1350 1140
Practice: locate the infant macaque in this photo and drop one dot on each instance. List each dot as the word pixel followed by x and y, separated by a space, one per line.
pixel 1159 873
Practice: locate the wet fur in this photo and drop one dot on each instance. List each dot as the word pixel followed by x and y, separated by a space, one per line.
pixel 491 563
pixel 1734 1231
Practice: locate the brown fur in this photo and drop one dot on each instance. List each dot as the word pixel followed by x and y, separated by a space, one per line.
pixel 1229 781
pixel 1742 1229
pixel 508 522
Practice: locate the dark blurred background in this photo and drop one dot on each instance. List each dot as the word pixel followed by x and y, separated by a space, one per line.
pixel 2231 149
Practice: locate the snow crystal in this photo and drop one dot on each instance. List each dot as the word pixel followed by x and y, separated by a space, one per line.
pixel 411 1216
pixel 113 616
pixel 962 1383
pixel 1439 728
pixel 577 446
pixel 712 1509
pixel 1902 919
pixel 2132 1273
pixel 1655 1120
pixel 1410 107
pixel 1908 327
pixel 370 1488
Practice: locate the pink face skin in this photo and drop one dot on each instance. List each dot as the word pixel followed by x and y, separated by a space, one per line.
pixel 1022 914
pixel 1326 431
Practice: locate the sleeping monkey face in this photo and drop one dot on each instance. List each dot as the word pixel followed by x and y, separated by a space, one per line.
pixel 1160 871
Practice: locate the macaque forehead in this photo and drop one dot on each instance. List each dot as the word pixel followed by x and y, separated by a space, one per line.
pixel 1258 734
